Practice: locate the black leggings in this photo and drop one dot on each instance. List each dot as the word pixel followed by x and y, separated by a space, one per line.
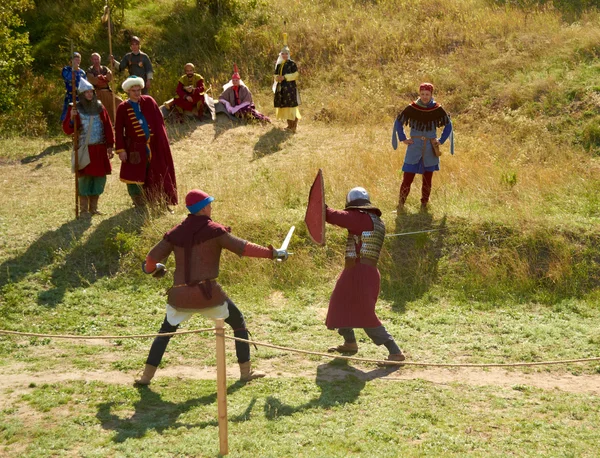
pixel 235 320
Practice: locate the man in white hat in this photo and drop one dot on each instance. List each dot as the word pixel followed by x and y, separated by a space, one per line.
pixel 143 147
pixel 96 141
pixel 352 303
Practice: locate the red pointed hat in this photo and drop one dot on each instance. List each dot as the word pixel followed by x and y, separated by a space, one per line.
pixel 196 200
pixel 236 73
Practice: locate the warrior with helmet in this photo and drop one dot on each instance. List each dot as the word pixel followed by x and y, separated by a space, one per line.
pixel 197 244
pixel 96 141
pixel 352 303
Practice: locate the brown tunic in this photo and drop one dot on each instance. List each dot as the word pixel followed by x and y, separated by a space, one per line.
pixel 204 269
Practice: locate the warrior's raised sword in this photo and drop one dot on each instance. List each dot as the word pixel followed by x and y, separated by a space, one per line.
pixel 282 252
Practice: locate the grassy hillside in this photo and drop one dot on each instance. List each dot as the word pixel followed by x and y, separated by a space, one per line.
pixel 512 274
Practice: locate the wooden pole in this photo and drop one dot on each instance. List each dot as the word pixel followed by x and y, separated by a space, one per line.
pixel 221 386
pixel 112 67
pixel 74 71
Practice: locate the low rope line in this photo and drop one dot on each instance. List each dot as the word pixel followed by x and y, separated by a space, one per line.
pixel 139 336
pixel 412 363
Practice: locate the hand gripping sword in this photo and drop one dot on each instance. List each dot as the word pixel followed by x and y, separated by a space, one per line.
pixel 282 253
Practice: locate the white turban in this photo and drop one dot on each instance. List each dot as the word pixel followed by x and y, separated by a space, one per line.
pixel 132 81
pixel 84 85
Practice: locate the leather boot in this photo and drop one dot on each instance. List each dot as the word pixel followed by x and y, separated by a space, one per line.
pixel 247 373
pixel 84 210
pixel 393 358
pixel 346 347
pixel 147 376
pixel 139 201
pixel 94 205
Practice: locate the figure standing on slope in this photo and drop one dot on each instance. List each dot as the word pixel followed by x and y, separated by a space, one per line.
pixel 137 63
pixel 197 244
pixel 143 147
pixel 423 116
pixel 100 76
pixel 67 76
pixel 287 97
pixel 96 141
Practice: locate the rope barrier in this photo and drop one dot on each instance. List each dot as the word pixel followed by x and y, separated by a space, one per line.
pixel 412 363
pixel 307 352
pixel 139 336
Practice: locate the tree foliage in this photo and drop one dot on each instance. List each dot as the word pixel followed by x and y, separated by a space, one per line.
pixel 15 55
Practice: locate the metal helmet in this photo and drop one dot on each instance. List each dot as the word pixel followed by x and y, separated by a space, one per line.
pixel 357 195
pixel 359 198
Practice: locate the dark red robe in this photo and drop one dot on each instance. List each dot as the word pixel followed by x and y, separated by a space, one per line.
pixel 352 303
pixel 99 165
pixel 149 161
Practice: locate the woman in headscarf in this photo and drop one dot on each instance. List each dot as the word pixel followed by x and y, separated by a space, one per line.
pixel 287 97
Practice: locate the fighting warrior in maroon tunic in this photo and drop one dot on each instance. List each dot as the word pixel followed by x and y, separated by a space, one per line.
pixel 197 244
pixel 352 303
pixel 143 147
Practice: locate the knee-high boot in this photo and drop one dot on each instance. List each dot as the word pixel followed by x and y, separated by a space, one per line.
pixel 84 209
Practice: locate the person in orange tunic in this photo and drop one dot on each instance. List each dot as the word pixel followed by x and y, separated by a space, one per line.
pixel 100 76
pixel 96 143
pixel 143 147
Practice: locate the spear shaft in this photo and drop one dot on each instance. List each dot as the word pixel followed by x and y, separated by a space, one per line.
pixel 74 72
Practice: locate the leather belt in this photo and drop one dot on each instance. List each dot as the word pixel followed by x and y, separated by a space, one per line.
pixel 351 262
pixel 208 280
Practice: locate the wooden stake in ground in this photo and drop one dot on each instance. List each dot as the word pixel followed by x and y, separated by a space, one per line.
pixel 221 386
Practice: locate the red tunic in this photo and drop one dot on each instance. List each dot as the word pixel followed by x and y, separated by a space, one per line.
pixel 99 165
pixel 155 171
pixel 352 303
pixel 197 94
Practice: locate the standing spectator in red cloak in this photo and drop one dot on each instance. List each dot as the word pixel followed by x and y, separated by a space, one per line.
pixel 143 147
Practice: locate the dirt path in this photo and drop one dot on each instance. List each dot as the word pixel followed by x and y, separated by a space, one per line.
pixel 16 380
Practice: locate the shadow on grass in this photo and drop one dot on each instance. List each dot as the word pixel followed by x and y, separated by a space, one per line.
pixel 340 384
pixel 97 257
pixel 412 267
pixel 225 123
pixel 152 412
pixel 43 251
pixel 50 151
pixel 179 130
pixel 270 143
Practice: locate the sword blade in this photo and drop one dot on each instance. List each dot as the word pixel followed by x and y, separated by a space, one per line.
pixel 288 237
